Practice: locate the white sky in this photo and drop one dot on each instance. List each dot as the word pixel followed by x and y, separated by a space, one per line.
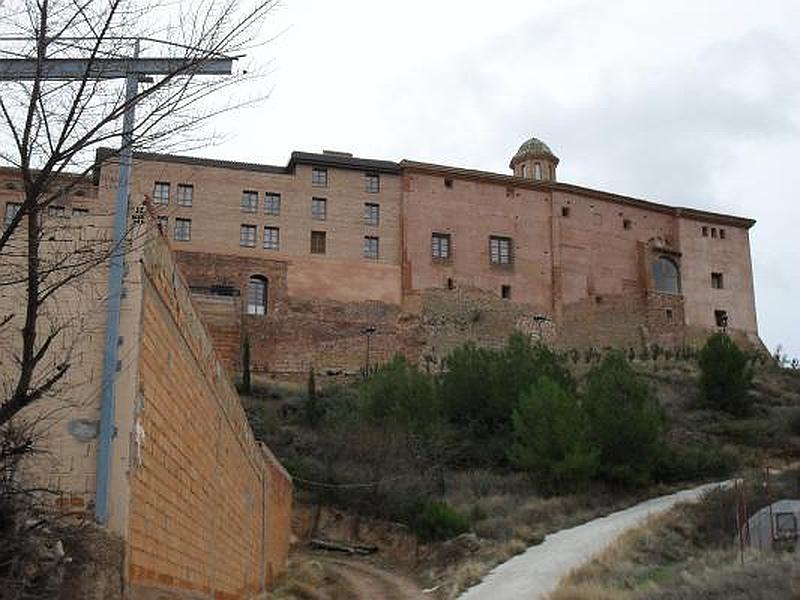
pixel 693 103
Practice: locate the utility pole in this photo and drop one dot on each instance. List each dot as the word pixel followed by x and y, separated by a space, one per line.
pixel 134 70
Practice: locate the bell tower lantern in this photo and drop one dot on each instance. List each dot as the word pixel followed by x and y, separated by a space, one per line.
pixel 534 160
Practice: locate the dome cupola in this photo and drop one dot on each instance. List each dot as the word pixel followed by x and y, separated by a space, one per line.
pixel 534 160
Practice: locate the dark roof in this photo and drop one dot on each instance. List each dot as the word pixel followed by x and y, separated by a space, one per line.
pixel 340 160
pixel 520 182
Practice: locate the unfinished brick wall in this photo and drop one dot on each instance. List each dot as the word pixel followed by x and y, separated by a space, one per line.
pixel 209 510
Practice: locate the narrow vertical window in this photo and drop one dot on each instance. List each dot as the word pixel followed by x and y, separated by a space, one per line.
pixel 371 247
pixel 372 183
pixel 12 208
pixel 272 204
pixel 319 177
pixel 537 171
pixel 256 295
pixel 247 236
pixel 319 209
pixel 161 192
pixel 505 292
pixel 440 246
pixel 500 250
pixel 717 281
pixel 372 214
pixel 272 238
pixel 721 318
pixel 183 230
pixel 318 242
pixel 185 194
pixel 249 201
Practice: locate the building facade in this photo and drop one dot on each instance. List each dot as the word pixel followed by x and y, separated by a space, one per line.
pixel 309 259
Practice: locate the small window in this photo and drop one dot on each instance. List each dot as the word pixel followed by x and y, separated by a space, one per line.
pixel 450 284
pixel 249 201
pixel 713 232
pixel 626 224
pixel 372 214
pixel 565 211
pixel 247 236
pixel 272 204
pixel 163 224
pixel 372 183
pixel 80 212
pixel 716 281
pixel 705 231
pixel 505 292
pixel 256 295
pixel 721 234
pixel 721 318
pixel 318 242
pixel 524 170
pixel 448 183
pixel 161 192
pixel 440 246
pixel 319 177
pixel 371 247
pixel 272 238
pixel 500 250
pixel 669 315
pixel 183 230
pixel 185 194
pixel 537 171
pixel 319 209
pixel 785 526
pixel 12 208
pixel 56 211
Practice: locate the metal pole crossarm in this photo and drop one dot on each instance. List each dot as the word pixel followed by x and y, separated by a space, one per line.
pixel 66 69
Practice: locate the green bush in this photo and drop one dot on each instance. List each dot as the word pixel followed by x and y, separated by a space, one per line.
pixel 437 521
pixel 725 376
pixel 625 423
pixel 551 439
pixel 683 462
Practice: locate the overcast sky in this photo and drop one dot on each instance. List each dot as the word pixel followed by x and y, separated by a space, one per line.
pixel 692 103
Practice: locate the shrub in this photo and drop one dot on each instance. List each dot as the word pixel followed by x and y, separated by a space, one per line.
pixel 551 437
pixel 439 521
pixel 682 462
pixel 625 422
pixel 725 376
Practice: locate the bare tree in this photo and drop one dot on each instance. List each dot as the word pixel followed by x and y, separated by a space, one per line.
pixel 51 130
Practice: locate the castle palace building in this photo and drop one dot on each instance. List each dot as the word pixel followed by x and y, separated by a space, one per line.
pixel 332 260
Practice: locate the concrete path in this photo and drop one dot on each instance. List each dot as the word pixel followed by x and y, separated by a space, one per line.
pixel 536 572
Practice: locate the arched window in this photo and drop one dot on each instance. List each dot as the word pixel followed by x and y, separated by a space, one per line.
pixel 537 171
pixel 666 276
pixel 257 295
pixel 524 170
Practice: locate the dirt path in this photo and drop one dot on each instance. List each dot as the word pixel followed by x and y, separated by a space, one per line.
pixel 363 581
pixel 536 572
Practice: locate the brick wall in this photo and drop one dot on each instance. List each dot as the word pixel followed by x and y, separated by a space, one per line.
pixel 209 510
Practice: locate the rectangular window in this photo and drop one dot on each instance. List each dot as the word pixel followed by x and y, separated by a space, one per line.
pixel 319 209
pixel 161 192
pixel 56 211
pixel 626 224
pixel 721 234
pixel 272 238
pixel 319 177
pixel 669 315
pixel 372 214
pixel 183 230
pixel 372 183
pixel 500 250
pixel 705 231
pixel 716 281
pixel 505 292
pixel 163 225
pixel 249 201
pixel 12 208
pixel 371 247
pixel 185 194
pixel 272 204
pixel 713 232
pixel 317 242
pixel 80 212
pixel 440 246
pixel 721 318
pixel 247 236
pixel 565 211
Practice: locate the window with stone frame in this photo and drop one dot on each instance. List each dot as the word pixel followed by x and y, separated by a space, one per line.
pixel 721 318
pixel 272 238
pixel 56 211
pixel 666 276
pixel 440 246
pixel 371 247
pixel 319 177
pixel 318 242
pixel 717 281
pixel 183 230
pixel 161 192
pixel 249 201
pixel 372 214
pixel 247 236
pixel 500 250
pixel 319 209
pixel 185 194
pixel 372 183
pixel 272 204
pixel 12 208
